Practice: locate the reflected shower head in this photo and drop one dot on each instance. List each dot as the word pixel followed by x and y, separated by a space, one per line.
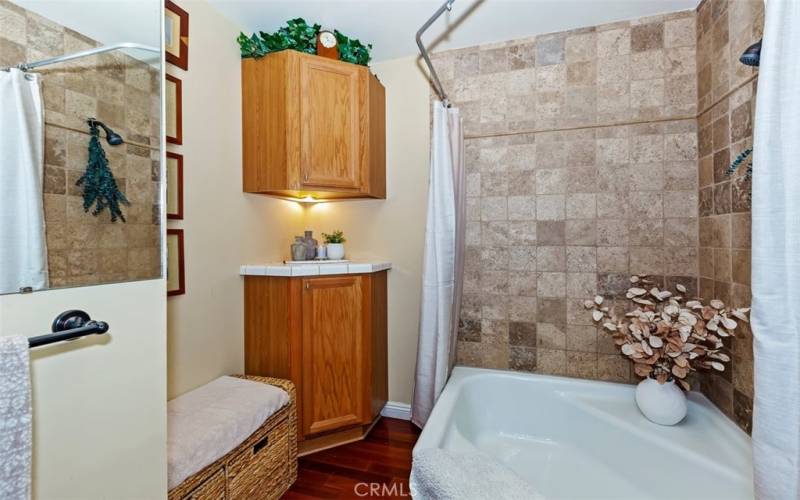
pixel 752 56
pixel 113 138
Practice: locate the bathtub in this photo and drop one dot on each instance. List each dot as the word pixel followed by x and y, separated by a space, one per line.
pixel 574 438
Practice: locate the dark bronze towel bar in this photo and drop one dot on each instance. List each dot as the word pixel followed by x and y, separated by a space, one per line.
pixel 69 325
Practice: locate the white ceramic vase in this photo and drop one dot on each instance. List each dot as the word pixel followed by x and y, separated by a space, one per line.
pixel 335 251
pixel 664 404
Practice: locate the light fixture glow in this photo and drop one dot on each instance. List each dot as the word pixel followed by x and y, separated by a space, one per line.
pixel 308 199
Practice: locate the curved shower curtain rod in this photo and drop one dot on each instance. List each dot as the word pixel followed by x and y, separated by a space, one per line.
pixel 84 53
pixel 448 5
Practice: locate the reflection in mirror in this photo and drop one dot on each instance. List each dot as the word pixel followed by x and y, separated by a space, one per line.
pixel 80 167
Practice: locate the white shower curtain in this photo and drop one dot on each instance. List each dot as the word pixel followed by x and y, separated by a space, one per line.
pixel 776 257
pixel 23 251
pixel 442 272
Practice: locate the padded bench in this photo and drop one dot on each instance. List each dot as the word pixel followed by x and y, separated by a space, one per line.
pixel 233 438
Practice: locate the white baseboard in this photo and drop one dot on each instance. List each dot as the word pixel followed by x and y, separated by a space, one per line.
pixel 393 409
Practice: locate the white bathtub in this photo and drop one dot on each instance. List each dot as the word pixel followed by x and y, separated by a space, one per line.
pixel 584 439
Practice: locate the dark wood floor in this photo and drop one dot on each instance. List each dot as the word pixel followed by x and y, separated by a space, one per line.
pixel 382 461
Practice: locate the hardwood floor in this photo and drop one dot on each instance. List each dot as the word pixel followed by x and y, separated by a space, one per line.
pixel 376 467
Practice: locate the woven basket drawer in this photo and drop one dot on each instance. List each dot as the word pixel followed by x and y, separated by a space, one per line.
pixel 256 472
pixel 212 488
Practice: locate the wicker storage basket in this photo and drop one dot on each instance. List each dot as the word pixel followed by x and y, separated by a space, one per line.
pixel 264 466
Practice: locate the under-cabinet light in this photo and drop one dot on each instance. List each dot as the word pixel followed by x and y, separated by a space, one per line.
pixel 306 199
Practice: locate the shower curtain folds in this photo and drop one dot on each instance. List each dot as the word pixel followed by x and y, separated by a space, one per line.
pixel 442 273
pixel 776 258
pixel 23 251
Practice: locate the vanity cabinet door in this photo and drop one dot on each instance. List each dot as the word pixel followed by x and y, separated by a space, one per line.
pixel 335 371
pixel 331 125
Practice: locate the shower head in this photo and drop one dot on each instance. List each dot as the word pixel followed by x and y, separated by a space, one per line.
pixel 752 56
pixel 113 138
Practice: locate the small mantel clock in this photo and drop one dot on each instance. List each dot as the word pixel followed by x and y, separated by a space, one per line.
pixel 327 45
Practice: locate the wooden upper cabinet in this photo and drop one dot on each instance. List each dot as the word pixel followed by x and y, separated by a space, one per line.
pixel 312 126
pixel 330 120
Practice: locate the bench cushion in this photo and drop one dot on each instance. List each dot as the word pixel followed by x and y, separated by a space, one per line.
pixel 208 422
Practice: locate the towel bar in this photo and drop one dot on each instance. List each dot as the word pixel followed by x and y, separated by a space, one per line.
pixel 69 325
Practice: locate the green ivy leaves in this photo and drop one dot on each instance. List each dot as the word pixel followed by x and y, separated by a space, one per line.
pixel 352 50
pixel 298 35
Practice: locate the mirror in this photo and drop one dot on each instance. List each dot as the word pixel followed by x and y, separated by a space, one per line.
pixel 80 144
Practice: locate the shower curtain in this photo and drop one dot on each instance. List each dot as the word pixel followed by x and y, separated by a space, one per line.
pixel 776 257
pixel 23 251
pixel 442 272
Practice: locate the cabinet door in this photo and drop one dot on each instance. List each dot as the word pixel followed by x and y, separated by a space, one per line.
pixel 330 124
pixel 334 377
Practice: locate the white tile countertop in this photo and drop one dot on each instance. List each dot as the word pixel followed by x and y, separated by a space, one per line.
pixel 313 269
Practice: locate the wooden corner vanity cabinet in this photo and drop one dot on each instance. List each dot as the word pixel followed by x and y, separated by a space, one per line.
pixel 328 335
pixel 312 126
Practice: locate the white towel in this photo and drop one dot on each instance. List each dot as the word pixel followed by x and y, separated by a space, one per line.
pixel 15 419
pixel 23 251
pixel 438 474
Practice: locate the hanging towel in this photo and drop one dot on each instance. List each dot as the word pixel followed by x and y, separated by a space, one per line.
pixel 15 419
pixel 23 251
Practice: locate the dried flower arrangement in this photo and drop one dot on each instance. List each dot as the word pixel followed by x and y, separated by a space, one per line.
pixel 665 337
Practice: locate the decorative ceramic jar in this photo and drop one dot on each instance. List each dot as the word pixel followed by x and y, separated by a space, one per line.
pixel 299 248
pixel 335 251
pixel 664 404
pixel 311 245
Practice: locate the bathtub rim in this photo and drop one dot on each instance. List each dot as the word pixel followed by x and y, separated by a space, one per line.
pixel 441 415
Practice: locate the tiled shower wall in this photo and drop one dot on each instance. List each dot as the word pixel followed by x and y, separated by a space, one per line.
pixel 604 185
pixel 727 104
pixel 122 92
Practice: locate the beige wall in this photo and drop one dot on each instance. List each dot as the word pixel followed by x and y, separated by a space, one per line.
pixel 393 229
pixel 99 404
pixel 224 227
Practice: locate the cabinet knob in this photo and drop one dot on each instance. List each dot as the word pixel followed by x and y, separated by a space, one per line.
pixel 308 285
pixel 305 177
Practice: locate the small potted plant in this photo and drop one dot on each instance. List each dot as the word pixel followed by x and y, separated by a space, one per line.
pixel 335 244
pixel 667 338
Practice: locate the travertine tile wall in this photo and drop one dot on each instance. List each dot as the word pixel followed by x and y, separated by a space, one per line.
pixel 572 208
pixel 122 92
pixel 724 30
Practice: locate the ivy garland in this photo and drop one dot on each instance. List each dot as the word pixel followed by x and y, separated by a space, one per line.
pixel 99 186
pixel 352 50
pixel 298 35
